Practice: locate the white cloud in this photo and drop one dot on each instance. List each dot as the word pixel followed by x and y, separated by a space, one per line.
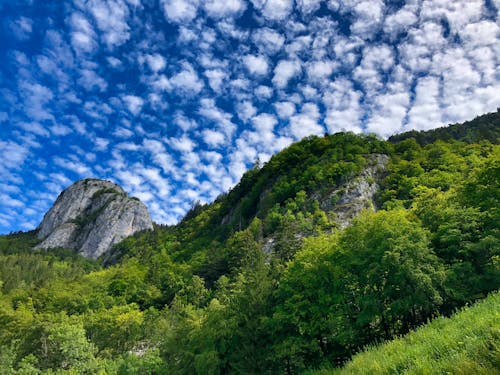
pixel 60 178
pixel 154 178
pixel 127 146
pixel 390 111
pixel 185 123
pixel 376 60
pixel 305 122
pixel 368 18
pixel 259 142
pixel 344 111
pixel 299 46
pixel 263 92
pixel 274 9
pixel 256 65
pixel 14 153
pixel 114 62
pixel 182 144
pixel 243 155
pixel 284 71
pixel 226 8
pixel 421 44
pixel 10 202
pixel 228 28
pixel 83 37
pixel 160 156
pixel 36 100
pixel 186 35
pixel 308 6
pixel 425 112
pixel 156 62
pixel 100 144
pixel 34 127
pixel 284 109
pixel 216 78
pixel 319 71
pixel 122 132
pixel 60 130
pixel 22 28
pixel 458 13
pixel 347 51
pixel 310 93
pixel 401 21
pixel 186 82
pixel 456 70
pixel 90 80
pixel 222 119
pixel 245 110
pixel 134 103
pixel 111 18
pixel 483 33
pixel 485 63
pixel 268 41
pixel 132 183
pixel 213 138
pixel 264 122
pixel 50 68
pixel 74 166
pixel 180 11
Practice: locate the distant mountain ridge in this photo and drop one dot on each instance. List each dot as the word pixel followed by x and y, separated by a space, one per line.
pixel 90 217
pixel 484 127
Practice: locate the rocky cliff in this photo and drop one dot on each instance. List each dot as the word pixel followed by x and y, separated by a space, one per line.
pixel 358 193
pixel 91 216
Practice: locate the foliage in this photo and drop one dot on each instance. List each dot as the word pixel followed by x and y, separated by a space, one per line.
pixel 466 343
pixel 485 127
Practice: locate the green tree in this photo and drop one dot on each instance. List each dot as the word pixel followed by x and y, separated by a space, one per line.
pixel 385 255
pixel 58 342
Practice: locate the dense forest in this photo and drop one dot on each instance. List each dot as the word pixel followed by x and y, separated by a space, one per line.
pixel 282 274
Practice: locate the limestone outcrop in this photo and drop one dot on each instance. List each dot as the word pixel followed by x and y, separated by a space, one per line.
pixel 91 216
pixel 348 199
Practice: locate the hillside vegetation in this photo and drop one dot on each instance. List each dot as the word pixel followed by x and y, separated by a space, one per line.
pixel 467 343
pixel 283 274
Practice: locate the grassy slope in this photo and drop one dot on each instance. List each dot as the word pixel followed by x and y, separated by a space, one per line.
pixel 467 343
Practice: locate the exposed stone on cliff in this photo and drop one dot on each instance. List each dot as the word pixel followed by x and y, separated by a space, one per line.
pixel 350 198
pixel 91 216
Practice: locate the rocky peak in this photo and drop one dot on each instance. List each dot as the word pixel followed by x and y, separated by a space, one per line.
pixel 91 216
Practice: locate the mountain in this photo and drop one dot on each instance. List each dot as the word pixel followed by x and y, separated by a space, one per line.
pixel 335 244
pixel 90 217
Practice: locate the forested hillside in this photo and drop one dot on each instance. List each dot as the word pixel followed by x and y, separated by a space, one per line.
pixel 466 343
pixel 336 243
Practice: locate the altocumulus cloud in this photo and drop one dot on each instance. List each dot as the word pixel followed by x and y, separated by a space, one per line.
pixel 175 99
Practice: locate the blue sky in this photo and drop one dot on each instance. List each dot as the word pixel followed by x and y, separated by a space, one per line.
pixel 174 99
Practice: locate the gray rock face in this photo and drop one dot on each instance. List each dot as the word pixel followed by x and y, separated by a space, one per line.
pixel 357 194
pixel 346 200
pixel 91 216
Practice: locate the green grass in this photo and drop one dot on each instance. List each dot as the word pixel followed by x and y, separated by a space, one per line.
pixel 467 343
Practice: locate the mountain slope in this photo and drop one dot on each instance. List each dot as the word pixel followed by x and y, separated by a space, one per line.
pixel 317 184
pixel 466 343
